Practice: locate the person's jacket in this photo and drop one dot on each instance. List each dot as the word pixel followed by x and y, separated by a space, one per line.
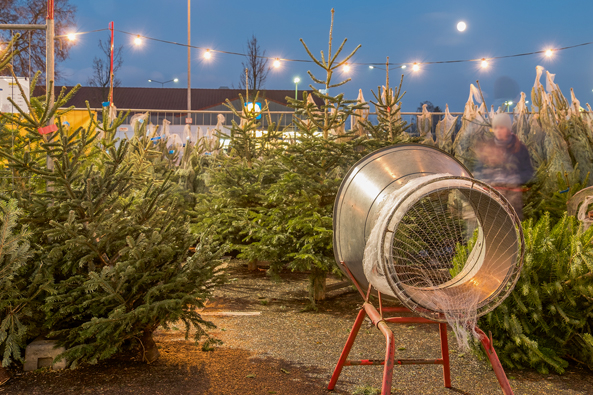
pixel 504 163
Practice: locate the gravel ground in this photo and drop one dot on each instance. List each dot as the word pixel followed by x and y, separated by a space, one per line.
pixel 315 339
pixel 272 346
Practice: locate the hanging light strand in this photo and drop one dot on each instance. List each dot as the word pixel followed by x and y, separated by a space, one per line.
pixel 547 52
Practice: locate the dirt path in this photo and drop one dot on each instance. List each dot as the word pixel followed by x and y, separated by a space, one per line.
pixel 272 347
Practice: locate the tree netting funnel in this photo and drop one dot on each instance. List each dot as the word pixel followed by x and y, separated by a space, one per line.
pixel 411 221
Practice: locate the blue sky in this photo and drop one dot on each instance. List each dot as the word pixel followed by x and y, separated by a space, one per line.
pixel 406 31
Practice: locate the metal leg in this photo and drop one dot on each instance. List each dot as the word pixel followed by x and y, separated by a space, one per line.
pixel 445 355
pixel 389 357
pixel 346 350
pixel 495 362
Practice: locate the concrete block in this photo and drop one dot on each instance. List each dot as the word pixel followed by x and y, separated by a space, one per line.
pixel 41 353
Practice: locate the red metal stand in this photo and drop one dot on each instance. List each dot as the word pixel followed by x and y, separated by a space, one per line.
pixel 380 323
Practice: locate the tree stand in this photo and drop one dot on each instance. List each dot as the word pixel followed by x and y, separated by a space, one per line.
pixel 380 323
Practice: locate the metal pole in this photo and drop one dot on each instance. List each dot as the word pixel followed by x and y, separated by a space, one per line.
pixel 188 58
pixel 296 88
pixel 111 67
pixel 10 26
pixel 49 54
pixel 49 69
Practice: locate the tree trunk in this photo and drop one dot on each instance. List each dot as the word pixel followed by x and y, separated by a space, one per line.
pixel 4 375
pixel 317 281
pixel 150 350
pixel 252 265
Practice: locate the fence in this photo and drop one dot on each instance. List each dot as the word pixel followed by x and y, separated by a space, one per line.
pixel 283 119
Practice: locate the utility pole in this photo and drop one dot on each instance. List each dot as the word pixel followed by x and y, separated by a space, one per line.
pixel 50 53
pixel 111 66
pixel 49 70
pixel 188 61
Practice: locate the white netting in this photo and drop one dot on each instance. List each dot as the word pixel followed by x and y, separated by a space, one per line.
pixel 473 126
pixel 138 121
pixel 166 130
pixel 583 213
pixel 445 130
pixel 424 124
pixel 447 247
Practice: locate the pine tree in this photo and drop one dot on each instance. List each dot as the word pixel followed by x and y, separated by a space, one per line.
pixel 390 128
pixel 547 321
pixel 110 227
pixel 295 228
pixel 20 285
pixel 237 180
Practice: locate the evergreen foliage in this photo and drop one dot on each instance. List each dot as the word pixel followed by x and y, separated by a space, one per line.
pixel 547 321
pixel 110 229
pixel 20 285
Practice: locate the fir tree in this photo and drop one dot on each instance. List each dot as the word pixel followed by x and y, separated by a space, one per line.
pixel 390 128
pixel 547 321
pixel 237 180
pixel 109 225
pixel 295 228
pixel 20 285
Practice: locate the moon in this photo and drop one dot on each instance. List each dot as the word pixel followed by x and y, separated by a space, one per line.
pixel 461 26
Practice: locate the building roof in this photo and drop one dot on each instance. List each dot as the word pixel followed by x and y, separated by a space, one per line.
pixel 170 98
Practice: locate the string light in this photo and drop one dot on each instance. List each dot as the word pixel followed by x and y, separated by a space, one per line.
pixel 276 63
pixel 207 54
pixel 484 63
pixel 346 68
pixel 415 67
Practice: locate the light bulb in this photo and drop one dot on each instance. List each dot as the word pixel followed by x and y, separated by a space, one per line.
pixel 207 54
pixel 297 80
pixel 176 80
pixel 371 67
pixel 415 67
pixel 461 26
pixel 549 53
pixel 484 63
pixel 276 63
pixel 71 36
pixel 138 40
pixel 404 66
pixel 346 68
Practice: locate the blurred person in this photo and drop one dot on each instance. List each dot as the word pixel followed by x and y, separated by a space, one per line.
pixel 504 162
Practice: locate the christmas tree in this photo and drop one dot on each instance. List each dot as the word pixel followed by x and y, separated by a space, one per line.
pixel 295 227
pixel 108 224
pixel 237 180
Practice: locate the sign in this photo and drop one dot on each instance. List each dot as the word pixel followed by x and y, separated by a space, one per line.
pixel 9 88
pixel 47 129
pixel 189 120
pixel 123 129
pixel 251 108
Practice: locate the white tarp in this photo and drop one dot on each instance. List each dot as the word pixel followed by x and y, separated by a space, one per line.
pixel 9 88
